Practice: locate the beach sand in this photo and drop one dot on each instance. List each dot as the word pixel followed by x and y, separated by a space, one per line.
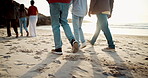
pixel 31 57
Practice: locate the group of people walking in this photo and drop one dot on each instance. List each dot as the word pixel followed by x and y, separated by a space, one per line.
pixel 18 16
pixel 59 13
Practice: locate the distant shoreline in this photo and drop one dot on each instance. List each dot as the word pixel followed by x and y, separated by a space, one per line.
pixel 90 28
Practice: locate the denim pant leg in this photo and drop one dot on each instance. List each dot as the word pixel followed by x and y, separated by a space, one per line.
pixel 97 32
pixel 25 23
pixel 55 14
pixel 21 23
pixel 82 38
pixel 64 7
pixel 77 24
pixel 103 22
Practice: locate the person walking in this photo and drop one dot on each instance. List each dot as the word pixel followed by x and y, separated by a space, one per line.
pixel 103 10
pixel 23 19
pixel 79 10
pixel 33 17
pixel 59 12
pixel 11 16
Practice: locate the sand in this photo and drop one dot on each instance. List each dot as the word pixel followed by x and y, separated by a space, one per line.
pixel 31 57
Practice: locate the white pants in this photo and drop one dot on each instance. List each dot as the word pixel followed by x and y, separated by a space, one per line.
pixel 32 25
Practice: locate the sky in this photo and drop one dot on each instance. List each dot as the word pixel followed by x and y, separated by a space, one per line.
pixel 124 11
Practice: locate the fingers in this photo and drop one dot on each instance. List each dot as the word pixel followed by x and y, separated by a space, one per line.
pixel 109 16
pixel 89 13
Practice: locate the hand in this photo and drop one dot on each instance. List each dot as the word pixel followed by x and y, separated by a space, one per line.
pixel 89 13
pixel 17 20
pixel 109 16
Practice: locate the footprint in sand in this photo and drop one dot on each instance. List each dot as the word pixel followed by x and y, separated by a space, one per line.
pixel 113 73
pixel 19 63
pixel 8 56
pixel 25 51
pixel 57 61
pixel 4 73
pixel 10 53
pixel 41 69
pixel 71 57
pixel 130 43
pixel 37 57
pixel 8 45
pixel 87 50
pixel 51 75
pixel 145 43
pixel 146 58
pixel 79 68
pixel 14 48
pixel 117 41
pixel 45 42
pixel 38 53
pixel 5 41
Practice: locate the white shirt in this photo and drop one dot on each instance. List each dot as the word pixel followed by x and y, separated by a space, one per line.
pixel 79 7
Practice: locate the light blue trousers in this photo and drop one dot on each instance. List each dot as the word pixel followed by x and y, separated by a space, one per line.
pixel 59 13
pixel 77 24
pixel 23 23
pixel 102 24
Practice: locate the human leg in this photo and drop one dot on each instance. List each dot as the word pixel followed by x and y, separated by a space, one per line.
pixel 82 38
pixel 75 22
pixel 8 23
pixel 97 32
pixel 25 25
pixel 81 35
pixel 55 14
pixel 104 27
pixel 20 23
pixel 32 25
pixel 35 18
pixel 15 24
pixel 64 7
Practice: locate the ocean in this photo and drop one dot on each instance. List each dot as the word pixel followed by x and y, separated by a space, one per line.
pixel 140 29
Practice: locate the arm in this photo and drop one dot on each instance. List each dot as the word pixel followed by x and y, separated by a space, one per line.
pixel 37 10
pixel 111 7
pixel 26 12
pixel 29 11
pixel 17 12
pixel 72 1
pixel 48 1
pixel 92 4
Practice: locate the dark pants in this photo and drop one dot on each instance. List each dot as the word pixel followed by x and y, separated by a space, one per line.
pixel 14 24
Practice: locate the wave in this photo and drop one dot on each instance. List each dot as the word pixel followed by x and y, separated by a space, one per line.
pixel 130 26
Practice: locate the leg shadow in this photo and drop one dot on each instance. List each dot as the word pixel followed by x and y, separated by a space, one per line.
pixel 96 64
pixel 34 71
pixel 72 60
pixel 120 66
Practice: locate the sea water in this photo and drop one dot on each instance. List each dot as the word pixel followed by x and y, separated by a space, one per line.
pixel 140 29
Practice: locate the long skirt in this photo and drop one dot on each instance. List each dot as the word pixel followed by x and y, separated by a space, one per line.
pixel 32 25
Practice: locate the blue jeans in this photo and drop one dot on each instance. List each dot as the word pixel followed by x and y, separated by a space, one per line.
pixel 102 24
pixel 59 13
pixel 23 23
pixel 77 24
